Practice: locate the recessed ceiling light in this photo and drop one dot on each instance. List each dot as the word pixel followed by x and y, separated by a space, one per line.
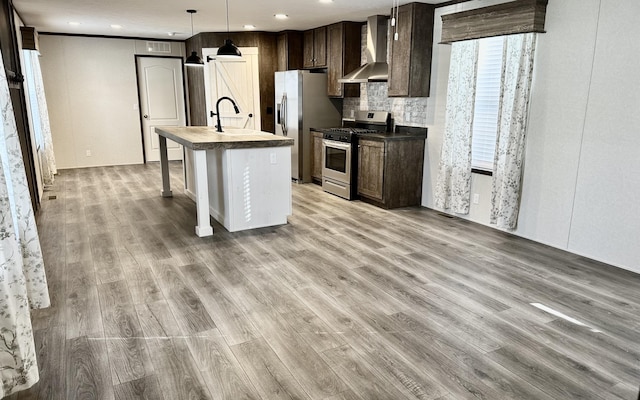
pixel 114 26
pixel 281 16
pixel 171 33
pixel 249 27
pixel 326 1
pixel 73 23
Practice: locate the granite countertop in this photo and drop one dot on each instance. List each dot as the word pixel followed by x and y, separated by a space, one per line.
pixel 402 132
pixel 206 137
pixel 388 136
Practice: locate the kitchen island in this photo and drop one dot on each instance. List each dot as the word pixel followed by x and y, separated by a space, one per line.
pixel 241 177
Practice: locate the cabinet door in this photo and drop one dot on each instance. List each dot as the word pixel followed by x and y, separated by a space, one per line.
pixel 289 49
pixel 343 56
pixel 371 169
pixel 410 61
pixel 316 167
pixel 400 65
pixel 308 49
pixel 320 47
pixel 282 50
pixel 335 60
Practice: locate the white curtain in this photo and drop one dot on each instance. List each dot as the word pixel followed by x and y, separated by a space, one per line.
pixel 454 177
pixel 22 278
pixel 40 116
pixel 512 125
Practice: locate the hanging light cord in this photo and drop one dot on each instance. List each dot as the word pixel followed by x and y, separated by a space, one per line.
pixel 395 35
pixel 191 23
pixel 227 2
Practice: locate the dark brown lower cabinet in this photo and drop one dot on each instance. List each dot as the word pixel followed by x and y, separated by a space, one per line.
pixel 390 171
pixel 316 161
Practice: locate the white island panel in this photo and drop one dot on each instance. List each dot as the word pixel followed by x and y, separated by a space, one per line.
pixel 249 188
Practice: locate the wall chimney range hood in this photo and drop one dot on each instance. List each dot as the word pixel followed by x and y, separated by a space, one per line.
pixel 376 69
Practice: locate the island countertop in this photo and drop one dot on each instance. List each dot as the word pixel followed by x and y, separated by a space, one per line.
pixel 206 137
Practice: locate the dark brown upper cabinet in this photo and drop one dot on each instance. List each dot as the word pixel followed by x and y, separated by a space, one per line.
pixel 344 42
pixel 289 49
pixel 410 59
pixel 315 48
pixel 30 39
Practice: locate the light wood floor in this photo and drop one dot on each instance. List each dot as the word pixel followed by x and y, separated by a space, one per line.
pixel 347 301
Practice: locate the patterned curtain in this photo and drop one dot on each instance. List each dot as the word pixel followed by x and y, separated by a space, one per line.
pixel 22 278
pixel 453 188
pixel 48 160
pixel 512 125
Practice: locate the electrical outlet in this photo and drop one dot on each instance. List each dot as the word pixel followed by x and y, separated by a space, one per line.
pixel 273 159
pixel 476 198
pixel 88 153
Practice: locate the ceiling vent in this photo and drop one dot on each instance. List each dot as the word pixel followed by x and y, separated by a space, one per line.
pixel 159 47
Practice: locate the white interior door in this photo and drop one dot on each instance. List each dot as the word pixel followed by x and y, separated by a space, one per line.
pixel 235 77
pixel 160 84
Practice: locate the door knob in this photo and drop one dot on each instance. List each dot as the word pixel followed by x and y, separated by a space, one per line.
pixel 145 116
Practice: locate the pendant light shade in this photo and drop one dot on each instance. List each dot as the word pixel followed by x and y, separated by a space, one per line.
pixel 193 59
pixel 228 49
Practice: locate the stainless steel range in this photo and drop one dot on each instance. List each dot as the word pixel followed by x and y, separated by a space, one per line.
pixel 340 152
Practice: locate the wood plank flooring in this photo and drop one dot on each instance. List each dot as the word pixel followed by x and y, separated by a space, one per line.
pixel 347 301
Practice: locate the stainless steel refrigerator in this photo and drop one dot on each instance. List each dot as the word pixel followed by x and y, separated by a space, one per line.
pixel 301 104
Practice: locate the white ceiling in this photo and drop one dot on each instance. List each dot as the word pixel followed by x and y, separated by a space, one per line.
pixel 156 18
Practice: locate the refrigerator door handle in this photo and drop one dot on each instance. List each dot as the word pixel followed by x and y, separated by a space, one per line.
pixel 278 108
pixel 284 115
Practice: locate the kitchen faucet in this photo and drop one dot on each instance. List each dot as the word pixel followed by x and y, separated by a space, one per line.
pixel 217 113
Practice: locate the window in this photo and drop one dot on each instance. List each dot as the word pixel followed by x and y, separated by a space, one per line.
pixel 485 119
pixel 33 97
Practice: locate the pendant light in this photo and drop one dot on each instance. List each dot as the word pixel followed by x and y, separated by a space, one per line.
pixel 193 59
pixel 228 49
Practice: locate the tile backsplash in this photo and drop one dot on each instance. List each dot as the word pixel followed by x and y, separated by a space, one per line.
pixel 373 96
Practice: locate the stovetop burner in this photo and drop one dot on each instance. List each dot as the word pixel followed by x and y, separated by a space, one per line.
pixel 350 130
pixel 365 122
pixel 344 134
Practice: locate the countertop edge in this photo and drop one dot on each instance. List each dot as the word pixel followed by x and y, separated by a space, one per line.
pixel 244 144
pixel 215 141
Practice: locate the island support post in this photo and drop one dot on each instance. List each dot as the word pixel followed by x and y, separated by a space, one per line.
pixel 203 228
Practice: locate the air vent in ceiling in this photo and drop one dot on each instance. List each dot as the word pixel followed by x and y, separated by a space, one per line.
pixel 159 47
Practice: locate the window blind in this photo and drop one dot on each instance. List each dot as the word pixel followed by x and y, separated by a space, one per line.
pixel 485 118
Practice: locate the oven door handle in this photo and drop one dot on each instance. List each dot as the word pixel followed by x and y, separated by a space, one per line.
pixel 335 144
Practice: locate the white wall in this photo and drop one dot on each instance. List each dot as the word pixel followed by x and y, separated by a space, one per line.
pixel 581 183
pixel 92 95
